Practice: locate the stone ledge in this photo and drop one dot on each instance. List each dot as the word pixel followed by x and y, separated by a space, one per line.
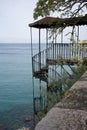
pixel 71 112
pixel 63 119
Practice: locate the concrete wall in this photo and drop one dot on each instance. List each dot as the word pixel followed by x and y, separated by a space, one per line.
pixel 71 112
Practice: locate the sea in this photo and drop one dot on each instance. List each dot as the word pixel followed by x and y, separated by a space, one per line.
pixel 16 94
pixel 16 90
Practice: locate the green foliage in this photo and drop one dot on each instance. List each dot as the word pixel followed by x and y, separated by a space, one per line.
pixel 53 97
pixel 66 81
pixel 85 61
pixel 39 10
pixel 62 7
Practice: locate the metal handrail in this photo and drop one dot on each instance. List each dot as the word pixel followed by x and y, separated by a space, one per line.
pixel 57 51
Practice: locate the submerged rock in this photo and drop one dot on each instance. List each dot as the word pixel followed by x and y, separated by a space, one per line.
pixel 2 127
pixel 29 118
pixel 24 128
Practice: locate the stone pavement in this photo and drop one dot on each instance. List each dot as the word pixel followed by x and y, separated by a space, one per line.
pixel 71 112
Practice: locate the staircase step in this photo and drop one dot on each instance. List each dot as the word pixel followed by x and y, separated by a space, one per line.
pixel 61 61
pixel 44 69
pixel 41 75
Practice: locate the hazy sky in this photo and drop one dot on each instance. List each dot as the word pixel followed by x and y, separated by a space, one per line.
pixel 15 15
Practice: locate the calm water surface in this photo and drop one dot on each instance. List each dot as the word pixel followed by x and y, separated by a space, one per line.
pixel 15 84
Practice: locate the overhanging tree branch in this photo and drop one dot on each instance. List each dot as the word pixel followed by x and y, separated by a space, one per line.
pixel 45 7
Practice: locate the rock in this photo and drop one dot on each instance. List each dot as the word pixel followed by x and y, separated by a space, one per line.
pixel 28 119
pixel 2 127
pixel 63 119
pixel 24 128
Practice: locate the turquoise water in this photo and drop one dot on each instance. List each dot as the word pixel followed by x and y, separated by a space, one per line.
pixel 16 95
pixel 15 84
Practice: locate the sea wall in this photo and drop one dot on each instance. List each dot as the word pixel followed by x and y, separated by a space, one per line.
pixel 71 112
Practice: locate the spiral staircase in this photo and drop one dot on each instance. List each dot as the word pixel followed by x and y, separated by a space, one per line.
pixel 46 62
pixel 55 54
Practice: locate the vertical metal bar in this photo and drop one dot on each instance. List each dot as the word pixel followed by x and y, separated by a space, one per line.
pixel 53 50
pixel 61 43
pixel 39 41
pixel 78 41
pixel 55 37
pixel 40 61
pixel 40 92
pixel 32 76
pixel 81 50
pixel 57 51
pixel 47 53
pixel 69 51
pixel 64 51
pixel 46 38
pixel 62 37
pixel 72 50
pixel 46 45
pixel 78 34
pixel 31 42
pixel 39 50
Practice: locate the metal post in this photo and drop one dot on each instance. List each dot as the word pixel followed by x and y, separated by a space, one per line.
pixel 78 34
pixel 40 61
pixel 46 46
pixel 46 38
pixel 47 53
pixel 39 41
pixel 39 50
pixel 62 37
pixel 32 76
pixel 31 42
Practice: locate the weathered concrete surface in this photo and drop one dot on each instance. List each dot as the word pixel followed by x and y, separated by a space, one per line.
pixel 71 112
